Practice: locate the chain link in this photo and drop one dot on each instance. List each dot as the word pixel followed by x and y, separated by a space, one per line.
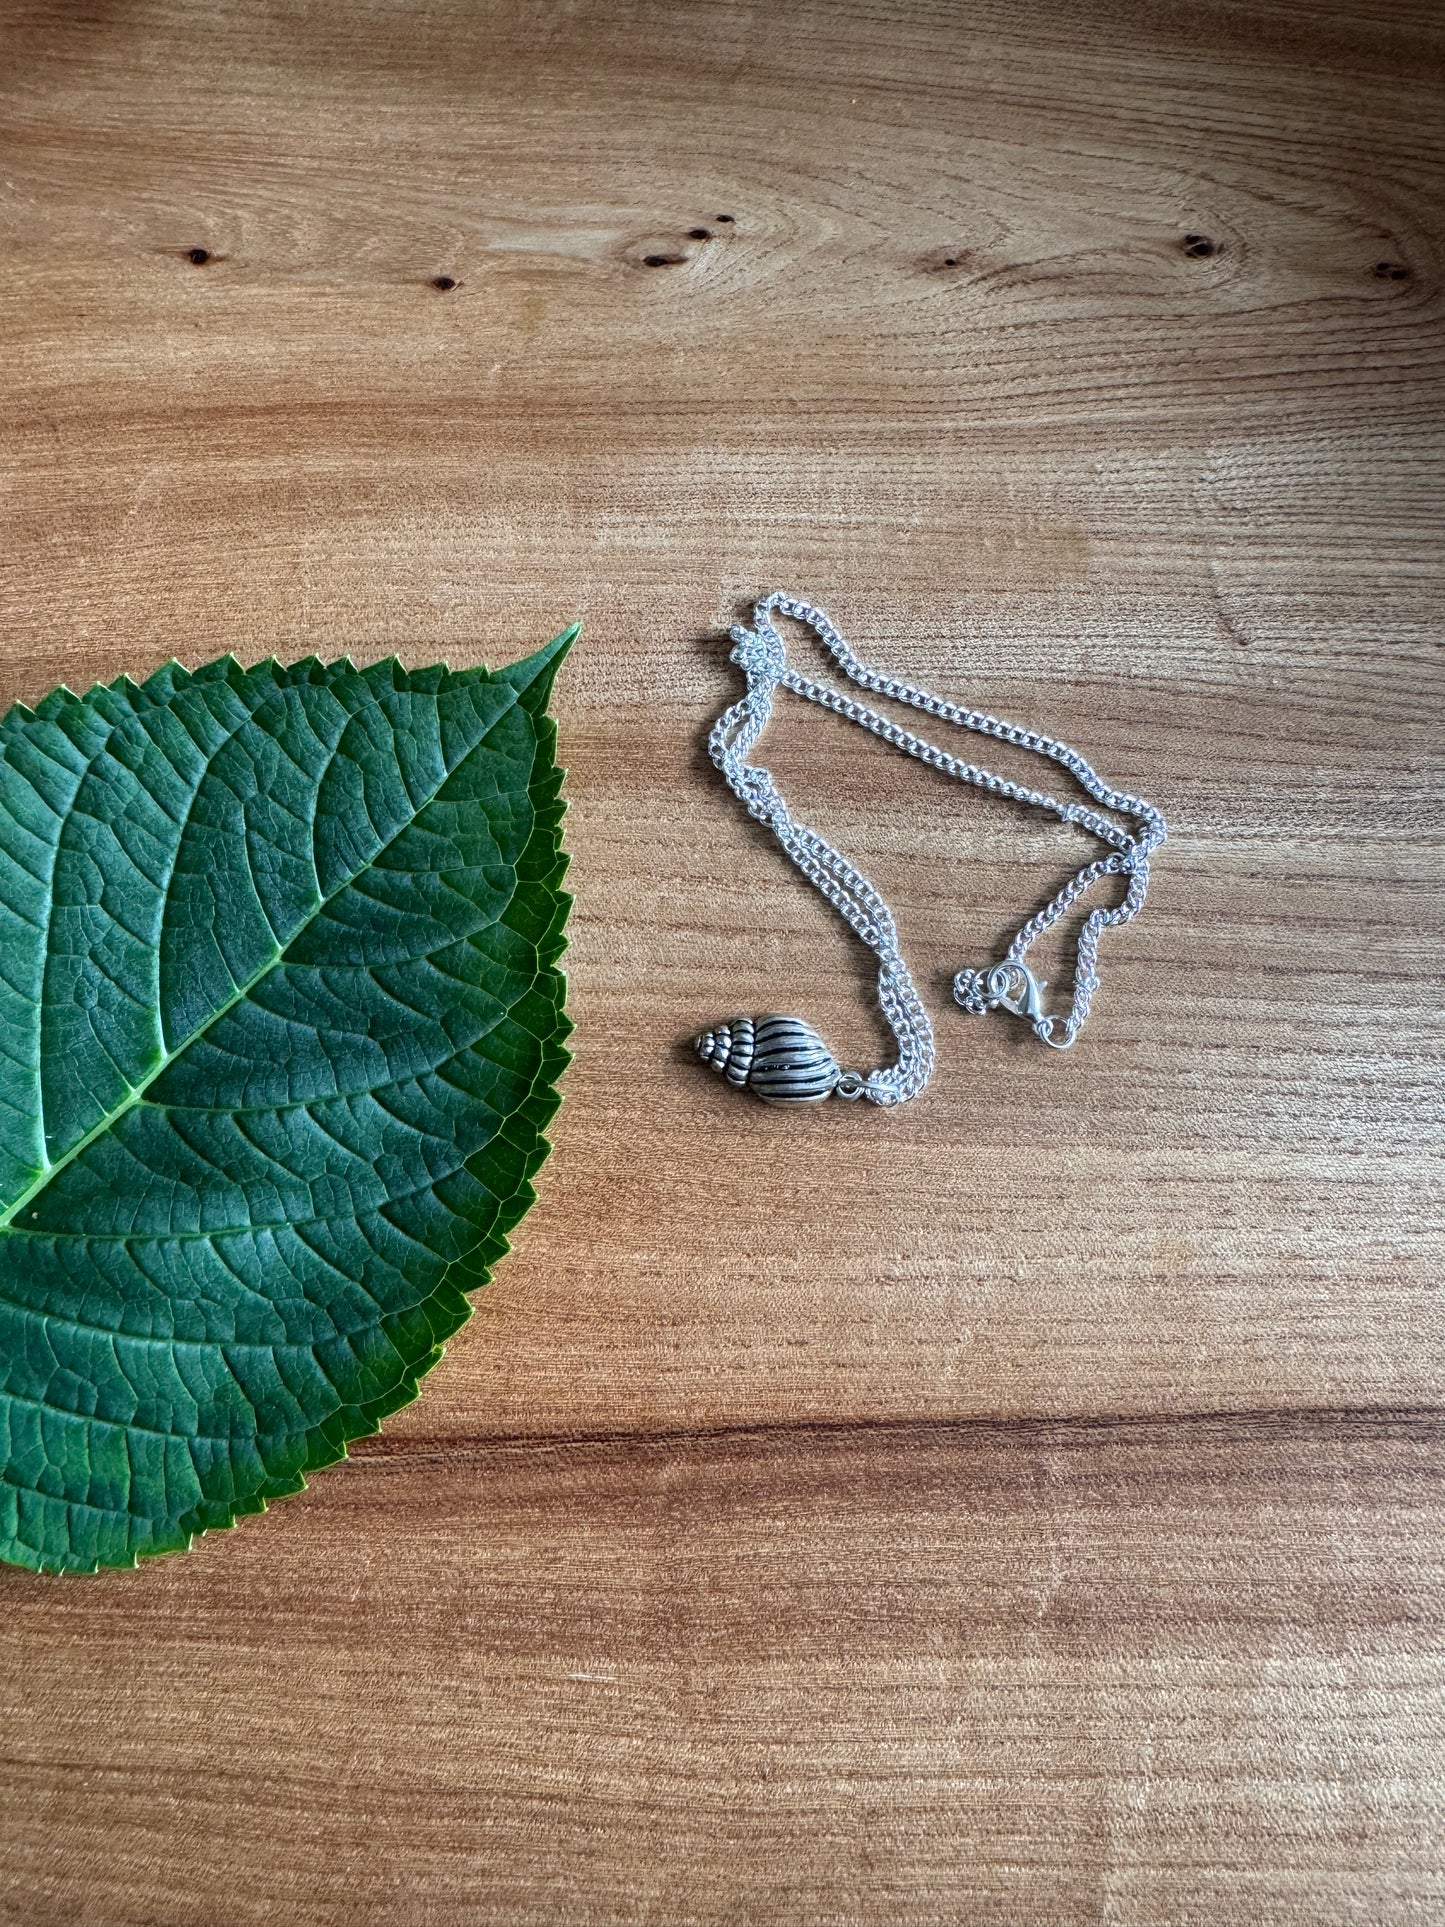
pixel 1009 985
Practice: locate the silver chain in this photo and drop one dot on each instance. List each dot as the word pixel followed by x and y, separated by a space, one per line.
pixel 1008 985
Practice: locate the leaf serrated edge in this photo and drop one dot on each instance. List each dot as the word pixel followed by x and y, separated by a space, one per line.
pixel 229 659
pixel 324 1451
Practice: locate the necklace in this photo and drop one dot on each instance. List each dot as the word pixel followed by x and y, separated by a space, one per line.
pixel 782 1059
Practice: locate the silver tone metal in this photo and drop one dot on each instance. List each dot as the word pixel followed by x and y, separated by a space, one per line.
pixel 728 1049
pixel 1006 986
pixel 1009 985
pixel 782 1060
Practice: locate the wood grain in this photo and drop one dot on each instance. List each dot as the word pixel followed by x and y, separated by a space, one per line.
pixel 1022 1508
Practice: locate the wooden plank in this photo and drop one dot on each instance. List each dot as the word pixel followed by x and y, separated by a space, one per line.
pixel 1021 1507
pixel 815 1673
pixel 993 1673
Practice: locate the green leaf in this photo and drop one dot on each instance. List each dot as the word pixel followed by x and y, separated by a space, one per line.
pixel 280 1021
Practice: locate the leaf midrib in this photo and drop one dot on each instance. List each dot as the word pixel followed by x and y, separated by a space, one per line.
pixel 138 1091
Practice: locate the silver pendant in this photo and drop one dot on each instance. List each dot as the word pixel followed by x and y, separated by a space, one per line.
pixel 804 1072
pixel 782 1060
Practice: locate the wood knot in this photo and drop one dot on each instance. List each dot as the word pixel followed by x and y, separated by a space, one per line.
pixel 1199 247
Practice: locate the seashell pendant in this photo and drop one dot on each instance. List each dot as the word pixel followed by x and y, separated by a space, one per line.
pixel 782 1060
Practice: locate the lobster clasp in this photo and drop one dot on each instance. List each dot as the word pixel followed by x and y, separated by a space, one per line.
pixel 1009 986
pixel 1013 987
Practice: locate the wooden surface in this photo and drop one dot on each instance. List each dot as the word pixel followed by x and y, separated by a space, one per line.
pixel 1025 1508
